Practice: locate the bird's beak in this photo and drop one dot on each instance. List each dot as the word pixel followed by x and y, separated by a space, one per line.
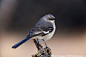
pixel 55 19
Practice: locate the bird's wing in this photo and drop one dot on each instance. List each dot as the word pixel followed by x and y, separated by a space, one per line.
pixel 46 30
pixel 41 31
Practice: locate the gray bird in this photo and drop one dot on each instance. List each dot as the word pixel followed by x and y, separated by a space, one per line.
pixel 42 31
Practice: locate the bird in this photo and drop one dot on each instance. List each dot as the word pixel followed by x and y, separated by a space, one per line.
pixel 42 31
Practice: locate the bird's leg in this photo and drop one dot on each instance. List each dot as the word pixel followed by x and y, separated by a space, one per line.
pixel 39 45
pixel 45 43
pixel 34 40
pixel 37 41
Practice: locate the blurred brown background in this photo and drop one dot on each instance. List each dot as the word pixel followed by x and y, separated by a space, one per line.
pixel 18 17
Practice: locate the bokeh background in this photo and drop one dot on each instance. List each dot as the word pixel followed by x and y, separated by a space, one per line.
pixel 18 17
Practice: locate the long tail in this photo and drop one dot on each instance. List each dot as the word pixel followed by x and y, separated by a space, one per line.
pixel 21 42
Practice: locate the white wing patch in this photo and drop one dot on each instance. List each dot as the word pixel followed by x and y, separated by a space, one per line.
pixel 41 32
pixel 46 32
pixel 38 32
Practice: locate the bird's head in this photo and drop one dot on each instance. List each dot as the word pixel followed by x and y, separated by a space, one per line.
pixel 49 17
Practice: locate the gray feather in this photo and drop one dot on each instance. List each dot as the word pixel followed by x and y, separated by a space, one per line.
pixel 42 27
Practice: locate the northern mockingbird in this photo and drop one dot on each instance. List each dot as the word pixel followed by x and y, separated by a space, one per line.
pixel 42 31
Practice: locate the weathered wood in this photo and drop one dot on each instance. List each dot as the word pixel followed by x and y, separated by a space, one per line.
pixel 42 52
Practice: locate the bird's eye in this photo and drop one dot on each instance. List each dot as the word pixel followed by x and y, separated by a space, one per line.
pixel 50 19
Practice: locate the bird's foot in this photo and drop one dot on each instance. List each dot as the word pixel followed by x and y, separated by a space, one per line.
pixel 48 50
pixel 46 47
pixel 39 45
